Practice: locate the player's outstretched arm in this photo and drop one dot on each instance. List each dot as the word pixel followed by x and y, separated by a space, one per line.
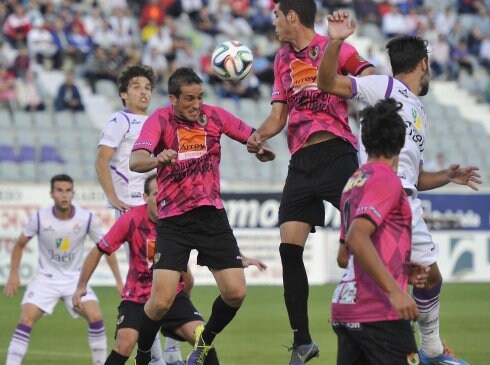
pixel 88 267
pixel 274 123
pixel 455 174
pixel 13 281
pixel 340 26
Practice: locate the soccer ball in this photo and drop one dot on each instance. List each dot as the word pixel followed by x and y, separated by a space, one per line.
pixel 232 60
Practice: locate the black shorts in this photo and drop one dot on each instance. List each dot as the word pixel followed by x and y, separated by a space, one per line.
pixel 181 312
pixel 205 229
pixel 376 343
pixel 316 173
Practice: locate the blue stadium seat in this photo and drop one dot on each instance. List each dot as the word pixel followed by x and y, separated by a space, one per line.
pixel 51 154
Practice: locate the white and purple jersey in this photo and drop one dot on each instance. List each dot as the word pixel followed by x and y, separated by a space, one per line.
pixel 371 89
pixel 61 240
pixel 120 133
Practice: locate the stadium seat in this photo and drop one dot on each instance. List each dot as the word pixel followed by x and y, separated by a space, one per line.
pixel 27 154
pixel 28 171
pixel 7 153
pixel 9 171
pixel 50 154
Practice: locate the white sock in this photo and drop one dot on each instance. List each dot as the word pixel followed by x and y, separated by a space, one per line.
pixel 18 344
pixel 156 352
pixel 97 342
pixel 172 351
pixel 428 324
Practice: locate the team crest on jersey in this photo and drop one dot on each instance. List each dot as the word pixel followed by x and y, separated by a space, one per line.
pixel 120 320
pixel 357 180
pixel 314 52
pixel 413 359
pixel 76 229
pixel 62 244
pixel 203 120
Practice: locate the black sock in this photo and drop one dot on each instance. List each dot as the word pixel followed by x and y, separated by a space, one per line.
pixel 147 333
pixel 115 358
pixel 296 291
pixel 221 315
pixel 212 357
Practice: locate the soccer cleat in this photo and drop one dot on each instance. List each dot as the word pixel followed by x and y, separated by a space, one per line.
pixel 200 350
pixel 303 353
pixel 446 358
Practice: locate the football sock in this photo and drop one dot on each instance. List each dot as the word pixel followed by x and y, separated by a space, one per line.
pixel 97 342
pixel 172 351
pixel 296 291
pixel 147 333
pixel 212 357
pixel 156 352
pixel 428 321
pixel 116 358
pixel 221 315
pixel 18 344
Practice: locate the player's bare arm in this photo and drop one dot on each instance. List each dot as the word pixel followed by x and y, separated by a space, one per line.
pixel 88 267
pixel 102 166
pixel 142 161
pixel 13 281
pixel 468 176
pixel 112 262
pixel 358 239
pixel 340 27
pixel 274 123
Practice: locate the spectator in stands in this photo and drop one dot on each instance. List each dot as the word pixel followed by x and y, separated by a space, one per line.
pixel 103 36
pixel 7 53
pixel 60 40
pixel 16 26
pixel 445 20
pixel 262 67
pixel 28 93
pixel 122 25
pixel 68 97
pixel 8 94
pixel 246 88
pixel 460 59
pixel 393 23
pixel 79 42
pixel 484 55
pixel 92 21
pixel 207 70
pixel 22 61
pixel 97 68
pixel 152 11
pixel 149 30
pixel 42 46
pixel 158 63
pixel 440 57
pixel 206 22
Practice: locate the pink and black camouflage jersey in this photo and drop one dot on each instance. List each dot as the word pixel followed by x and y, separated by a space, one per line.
pixel 310 109
pixel 194 180
pixel 374 192
pixel 139 231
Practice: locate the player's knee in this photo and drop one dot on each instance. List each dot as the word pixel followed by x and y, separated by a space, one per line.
pixel 124 346
pixel 157 307
pixel 235 296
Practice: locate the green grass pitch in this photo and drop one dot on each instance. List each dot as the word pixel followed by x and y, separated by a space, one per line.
pixel 260 333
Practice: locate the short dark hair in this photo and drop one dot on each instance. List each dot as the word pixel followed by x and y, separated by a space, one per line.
pixel 60 177
pixel 182 76
pixel 306 10
pixel 148 181
pixel 405 52
pixel 131 72
pixel 383 129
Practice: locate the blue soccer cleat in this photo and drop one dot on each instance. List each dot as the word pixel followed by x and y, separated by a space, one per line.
pixel 446 358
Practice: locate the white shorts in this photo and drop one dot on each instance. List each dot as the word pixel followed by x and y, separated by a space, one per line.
pixel 45 292
pixel 424 250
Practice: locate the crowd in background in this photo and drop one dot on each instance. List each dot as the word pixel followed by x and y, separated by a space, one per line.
pixel 94 40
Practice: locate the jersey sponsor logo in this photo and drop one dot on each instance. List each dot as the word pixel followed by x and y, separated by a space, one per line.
pixel 192 143
pixel 62 244
pixel 303 76
pixel 150 251
pixel 48 229
pixel 404 92
pixel 143 144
